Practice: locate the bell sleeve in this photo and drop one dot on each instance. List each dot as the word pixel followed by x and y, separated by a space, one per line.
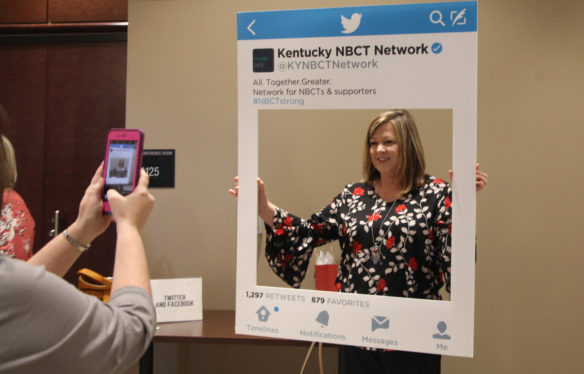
pixel 443 233
pixel 291 243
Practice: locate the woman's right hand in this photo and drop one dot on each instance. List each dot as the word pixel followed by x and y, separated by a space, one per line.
pixel 134 208
pixel 266 209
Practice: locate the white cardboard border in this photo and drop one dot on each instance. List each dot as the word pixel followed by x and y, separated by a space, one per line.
pixel 447 81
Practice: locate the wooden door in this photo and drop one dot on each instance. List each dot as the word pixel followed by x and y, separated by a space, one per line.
pixel 23 73
pixel 62 99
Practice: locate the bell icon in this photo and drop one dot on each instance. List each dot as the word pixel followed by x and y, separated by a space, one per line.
pixel 323 318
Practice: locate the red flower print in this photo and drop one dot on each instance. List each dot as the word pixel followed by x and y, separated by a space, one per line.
pixel 431 235
pixel 413 264
pixel 373 217
pixel 288 221
pixel 338 285
pixel 356 247
pixel 438 180
pixel 447 202
pixel 381 285
pixel 317 227
pixel 358 191
pixel 319 242
pixel 400 208
pixel 279 230
pixel 284 260
pixel 390 242
pixel 442 223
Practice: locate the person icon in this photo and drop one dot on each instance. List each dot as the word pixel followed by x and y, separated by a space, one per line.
pixel 441 328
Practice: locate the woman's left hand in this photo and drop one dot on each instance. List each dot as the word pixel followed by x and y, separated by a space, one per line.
pixel 481 178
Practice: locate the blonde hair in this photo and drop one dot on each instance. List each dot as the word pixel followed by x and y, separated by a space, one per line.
pixel 412 167
pixel 9 166
pixel 4 121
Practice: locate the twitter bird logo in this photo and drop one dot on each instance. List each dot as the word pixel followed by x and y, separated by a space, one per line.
pixel 351 24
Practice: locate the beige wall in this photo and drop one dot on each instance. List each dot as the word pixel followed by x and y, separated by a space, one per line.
pixel 529 304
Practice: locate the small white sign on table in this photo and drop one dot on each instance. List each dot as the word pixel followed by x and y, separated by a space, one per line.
pixel 178 299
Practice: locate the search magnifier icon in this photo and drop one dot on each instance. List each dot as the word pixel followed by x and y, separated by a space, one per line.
pixel 438 18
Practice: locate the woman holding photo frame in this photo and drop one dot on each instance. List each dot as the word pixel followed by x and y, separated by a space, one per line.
pixel 393 228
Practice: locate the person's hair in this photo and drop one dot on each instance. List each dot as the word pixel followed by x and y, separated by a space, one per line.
pixel 9 163
pixel 4 121
pixel 412 167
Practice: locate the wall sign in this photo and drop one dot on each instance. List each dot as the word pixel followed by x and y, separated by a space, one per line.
pixel 159 164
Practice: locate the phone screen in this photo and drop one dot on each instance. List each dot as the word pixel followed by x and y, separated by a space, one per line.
pixel 120 166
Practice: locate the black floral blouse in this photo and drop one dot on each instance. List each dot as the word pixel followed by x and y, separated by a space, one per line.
pixel 399 248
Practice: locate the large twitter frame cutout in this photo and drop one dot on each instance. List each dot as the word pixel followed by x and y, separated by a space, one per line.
pixel 418 56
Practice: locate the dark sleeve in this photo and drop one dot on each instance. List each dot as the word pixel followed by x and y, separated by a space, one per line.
pixel 291 243
pixel 443 234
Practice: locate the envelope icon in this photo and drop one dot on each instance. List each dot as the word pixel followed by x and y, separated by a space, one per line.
pixel 379 322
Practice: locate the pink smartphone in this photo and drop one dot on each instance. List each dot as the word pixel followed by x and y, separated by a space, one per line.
pixel 123 160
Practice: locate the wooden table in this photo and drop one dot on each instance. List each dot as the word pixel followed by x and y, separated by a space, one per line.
pixel 217 326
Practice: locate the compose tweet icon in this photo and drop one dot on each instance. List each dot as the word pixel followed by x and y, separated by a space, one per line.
pixel 379 322
pixel 351 24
